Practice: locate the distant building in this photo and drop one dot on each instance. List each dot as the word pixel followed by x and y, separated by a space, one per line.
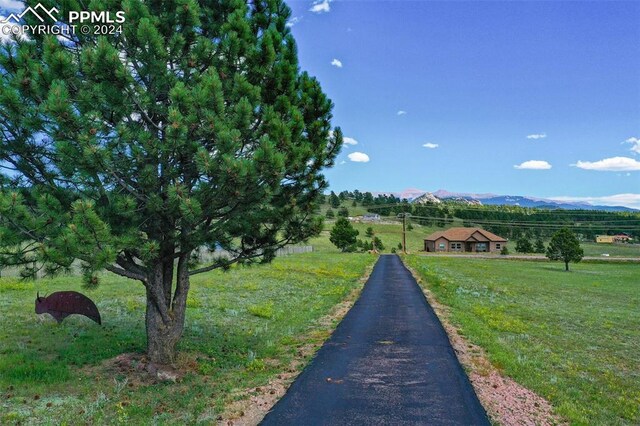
pixel 371 217
pixel 609 239
pixel 604 239
pixel 464 239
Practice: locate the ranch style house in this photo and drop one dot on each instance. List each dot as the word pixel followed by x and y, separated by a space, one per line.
pixel 464 239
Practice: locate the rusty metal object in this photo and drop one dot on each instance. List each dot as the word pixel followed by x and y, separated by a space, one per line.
pixel 61 304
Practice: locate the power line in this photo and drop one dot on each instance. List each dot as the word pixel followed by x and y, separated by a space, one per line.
pixel 522 222
pixel 576 223
pixel 502 208
pixel 586 226
pixel 552 225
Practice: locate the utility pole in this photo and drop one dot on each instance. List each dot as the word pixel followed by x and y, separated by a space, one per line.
pixel 404 233
pixel 404 230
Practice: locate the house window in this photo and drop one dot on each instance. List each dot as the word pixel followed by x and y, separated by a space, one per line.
pixel 481 247
pixel 497 246
pixel 456 246
pixel 442 246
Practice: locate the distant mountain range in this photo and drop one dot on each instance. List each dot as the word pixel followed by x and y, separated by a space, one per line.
pixel 419 196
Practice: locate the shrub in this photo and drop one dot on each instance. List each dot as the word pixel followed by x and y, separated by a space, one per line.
pixel 369 232
pixel 377 244
pixel 523 245
pixel 343 235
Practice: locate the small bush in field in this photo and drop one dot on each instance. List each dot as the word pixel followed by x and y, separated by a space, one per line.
pixel 262 310
pixel 343 235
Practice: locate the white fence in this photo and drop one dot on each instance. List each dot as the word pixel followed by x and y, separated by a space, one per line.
pixel 204 257
pixel 287 250
pixel 207 256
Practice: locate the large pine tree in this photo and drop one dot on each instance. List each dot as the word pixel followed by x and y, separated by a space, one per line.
pixel 192 128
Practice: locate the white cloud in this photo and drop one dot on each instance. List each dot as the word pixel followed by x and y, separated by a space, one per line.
pixel 294 20
pixel 349 141
pixel 533 165
pixel 336 63
pixel 430 145
pixel 614 164
pixel 627 200
pixel 343 162
pixel 11 6
pixel 636 144
pixel 320 6
pixel 401 112
pixel 358 157
pixel 537 136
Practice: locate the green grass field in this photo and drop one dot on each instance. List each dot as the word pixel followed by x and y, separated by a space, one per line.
pixel 571 337
pixel 243 328
pixel 389 229
pixel 613 250
pixel 391 235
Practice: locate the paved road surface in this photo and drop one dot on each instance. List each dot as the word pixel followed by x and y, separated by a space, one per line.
pixel 389 362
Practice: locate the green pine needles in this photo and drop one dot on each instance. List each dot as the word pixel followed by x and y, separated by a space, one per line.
pixel 193 127
pixel 565 246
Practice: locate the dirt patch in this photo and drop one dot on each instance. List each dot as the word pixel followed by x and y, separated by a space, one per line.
pixel 507 402
pixel 135 369
pixel 256 402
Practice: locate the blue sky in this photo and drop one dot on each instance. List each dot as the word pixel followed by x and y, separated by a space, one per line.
pixel 537 98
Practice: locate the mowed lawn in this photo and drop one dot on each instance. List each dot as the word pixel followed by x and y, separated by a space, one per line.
pixel 243 327
pixel 573 337
pixel 613 250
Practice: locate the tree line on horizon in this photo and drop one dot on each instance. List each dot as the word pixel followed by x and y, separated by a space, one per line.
pixel 512 222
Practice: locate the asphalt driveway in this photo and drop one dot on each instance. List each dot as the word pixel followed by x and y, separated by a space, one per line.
pixel 389 362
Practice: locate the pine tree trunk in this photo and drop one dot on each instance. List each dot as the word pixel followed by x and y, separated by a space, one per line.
pixel 566 266
pixel 162 337
pixel 165 329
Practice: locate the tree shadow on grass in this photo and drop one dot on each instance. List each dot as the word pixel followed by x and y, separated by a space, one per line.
pixel 557 268
pixel 46 352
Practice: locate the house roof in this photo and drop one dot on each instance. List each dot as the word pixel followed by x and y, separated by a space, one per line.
pixel 464 234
